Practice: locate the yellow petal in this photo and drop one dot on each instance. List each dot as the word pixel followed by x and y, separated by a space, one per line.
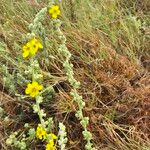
pixel 37 43
pixel 54 137
pixel 51 9
pixel 33 50
pixel 24 48
pixel 55 7
pixel 54 15
pixel 33 41
pixel 29 85
pixel 50 146
pixel 28 44
pixel 28 89
pixel 35 84
pixel 34 94
pixel 25 54
pixel 51 142
pixel 40 87
pixel 40 45
pixel 58 12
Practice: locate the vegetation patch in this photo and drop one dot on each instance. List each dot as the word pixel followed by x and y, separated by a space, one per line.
pixel 74 75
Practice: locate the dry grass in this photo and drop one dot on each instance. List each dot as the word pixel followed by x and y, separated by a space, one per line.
pixel 111 60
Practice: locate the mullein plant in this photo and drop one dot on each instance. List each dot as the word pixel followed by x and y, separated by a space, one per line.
pixel 68 66
pixel 34 89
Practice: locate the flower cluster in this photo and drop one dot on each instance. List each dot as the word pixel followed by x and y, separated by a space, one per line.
pixel 54 11
pixel 42 135
pixel 50 145
pixel 40 132
pixel 31 47
pixel 33 89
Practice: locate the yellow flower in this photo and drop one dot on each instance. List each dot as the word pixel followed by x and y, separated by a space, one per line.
pixel 31 47
pixel 40 132
pixel 35 45
pixel 33 89
pixel 54 11
pixel 50 145
pixel 53 136
pixel 26 50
